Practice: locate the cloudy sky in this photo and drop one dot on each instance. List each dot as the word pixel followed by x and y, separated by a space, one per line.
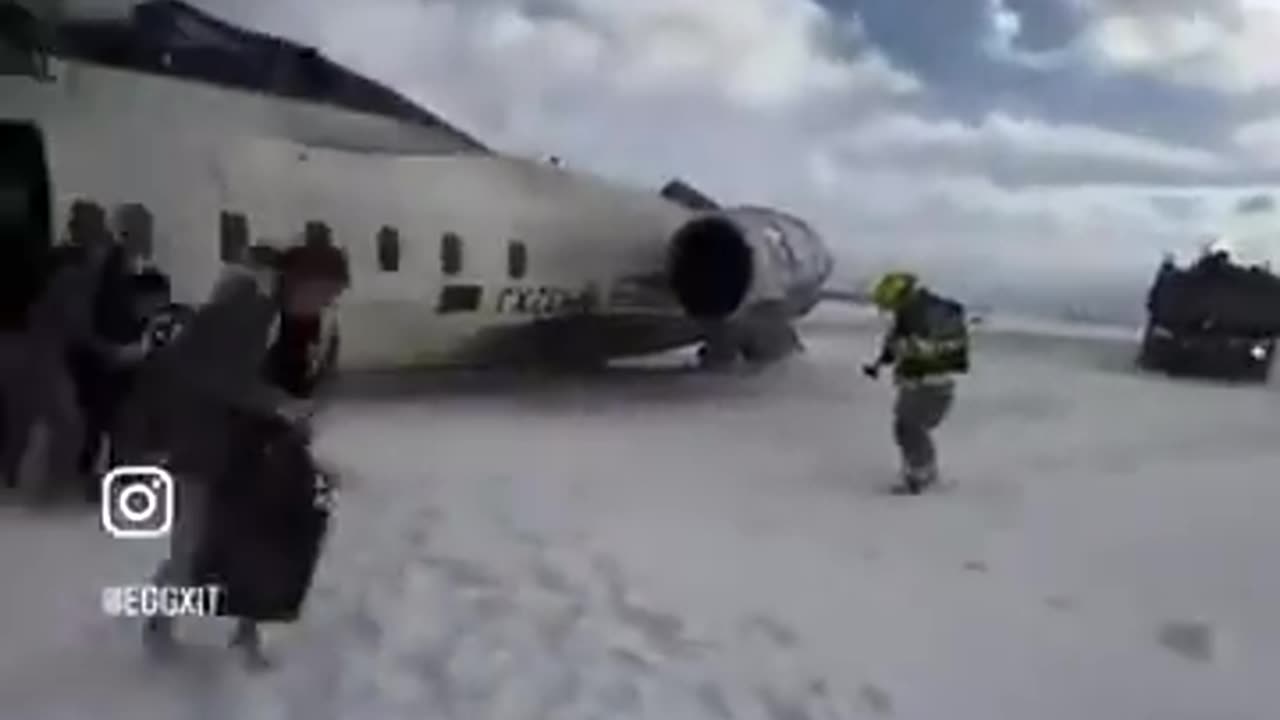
pixel 1059 143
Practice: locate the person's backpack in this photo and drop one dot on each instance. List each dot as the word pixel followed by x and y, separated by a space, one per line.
pixel 938 339
pixel 268 518
pixel 947 328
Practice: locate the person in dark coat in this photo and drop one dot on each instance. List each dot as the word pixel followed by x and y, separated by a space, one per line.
pixel 115 329
pixel 195 399
pixel 39 390
pixel 110 372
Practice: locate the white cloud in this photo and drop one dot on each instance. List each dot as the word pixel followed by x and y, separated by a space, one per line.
pixel 1228 45
pixel 1034 150
pixel 759 54
pixel 964 225
pixel 1261 139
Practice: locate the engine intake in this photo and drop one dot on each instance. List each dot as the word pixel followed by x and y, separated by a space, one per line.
pixel 710 267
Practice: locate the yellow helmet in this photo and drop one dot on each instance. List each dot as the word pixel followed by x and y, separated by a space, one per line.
pixel 892 289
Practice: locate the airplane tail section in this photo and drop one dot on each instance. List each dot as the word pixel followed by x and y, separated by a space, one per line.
pixel 687 196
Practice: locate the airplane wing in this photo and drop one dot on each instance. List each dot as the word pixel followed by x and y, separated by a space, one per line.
pixel 851 297
pixel 976 315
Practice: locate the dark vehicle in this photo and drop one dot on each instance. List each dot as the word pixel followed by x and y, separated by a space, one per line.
pixel 1213 319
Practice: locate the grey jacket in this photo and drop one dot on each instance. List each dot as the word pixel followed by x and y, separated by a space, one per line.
pixel 188 393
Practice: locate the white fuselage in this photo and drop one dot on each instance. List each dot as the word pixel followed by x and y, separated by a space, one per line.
pixel 190 152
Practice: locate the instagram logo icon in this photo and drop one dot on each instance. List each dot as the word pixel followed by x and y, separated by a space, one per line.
pixel 137 502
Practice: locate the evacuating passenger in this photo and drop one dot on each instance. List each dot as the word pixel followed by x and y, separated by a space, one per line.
pixel 115 330
pixel 204 410
pixel 132 339
pixel 41 394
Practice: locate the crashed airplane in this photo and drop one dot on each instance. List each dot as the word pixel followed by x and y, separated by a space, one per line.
pixel 218 138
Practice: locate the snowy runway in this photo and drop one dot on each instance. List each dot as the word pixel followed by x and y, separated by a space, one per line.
pixel 666 545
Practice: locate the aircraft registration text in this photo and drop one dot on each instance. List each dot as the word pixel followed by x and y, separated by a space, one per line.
pixel 544 300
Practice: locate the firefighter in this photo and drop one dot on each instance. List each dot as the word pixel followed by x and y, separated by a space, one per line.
pixel 928 345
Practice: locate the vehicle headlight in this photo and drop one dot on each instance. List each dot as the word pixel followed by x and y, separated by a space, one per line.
pixel 1259 352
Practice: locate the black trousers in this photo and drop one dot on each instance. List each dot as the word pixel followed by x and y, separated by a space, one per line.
pixel 100 390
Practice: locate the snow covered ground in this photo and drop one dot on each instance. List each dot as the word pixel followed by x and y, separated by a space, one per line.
pixel 664 545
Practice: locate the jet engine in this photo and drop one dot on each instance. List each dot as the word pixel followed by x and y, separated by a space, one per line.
pixel 721 262
pixel 744 273
pixel 711 267
pixel 725 261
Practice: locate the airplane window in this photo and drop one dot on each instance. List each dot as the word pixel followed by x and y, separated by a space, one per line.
pixel 451 254
pixel 233 236
pixel 389 249
pixel 517 259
